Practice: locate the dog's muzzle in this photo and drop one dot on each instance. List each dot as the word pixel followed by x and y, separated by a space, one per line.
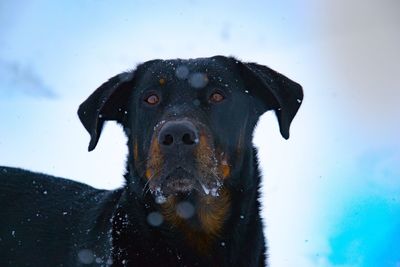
pixel 182 161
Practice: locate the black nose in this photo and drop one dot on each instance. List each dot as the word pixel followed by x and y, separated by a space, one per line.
pixel 178 133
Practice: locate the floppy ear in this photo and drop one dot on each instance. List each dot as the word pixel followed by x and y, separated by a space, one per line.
pixel 108 102
pixel 276 92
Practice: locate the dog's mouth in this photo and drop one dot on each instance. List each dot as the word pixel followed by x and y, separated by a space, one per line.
pixel 178 181
pixel 177 167
pixel 182 182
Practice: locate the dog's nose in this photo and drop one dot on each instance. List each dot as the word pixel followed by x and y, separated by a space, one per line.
pixel 178 134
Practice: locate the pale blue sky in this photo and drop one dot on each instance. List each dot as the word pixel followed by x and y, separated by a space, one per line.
pixel 331 192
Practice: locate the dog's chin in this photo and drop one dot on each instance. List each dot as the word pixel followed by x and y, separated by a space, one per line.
pixel 182 183
pixel 179 181
pixel 177 185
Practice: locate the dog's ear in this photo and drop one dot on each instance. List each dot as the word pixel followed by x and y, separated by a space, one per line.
pixel 275 91
pixel 108 102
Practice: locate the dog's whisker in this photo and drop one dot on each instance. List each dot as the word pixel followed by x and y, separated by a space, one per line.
pixel 144 190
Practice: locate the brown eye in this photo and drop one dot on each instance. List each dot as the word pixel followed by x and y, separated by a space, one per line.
pixel 152 99
pixel 216 97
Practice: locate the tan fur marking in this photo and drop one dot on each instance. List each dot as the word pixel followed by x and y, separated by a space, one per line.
pixel 211 213
pixel 154 163
pixel 204 155
pixel 224 168
pixel 149 173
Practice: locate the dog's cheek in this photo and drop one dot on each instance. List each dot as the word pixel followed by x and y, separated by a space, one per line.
pixel 231 157
pixel 224 168
pixel 204 155
pixel 135 151
pixel 240 143
pixel 154 163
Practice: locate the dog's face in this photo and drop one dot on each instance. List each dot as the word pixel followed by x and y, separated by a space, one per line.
pixel 190 122
pixel 188 119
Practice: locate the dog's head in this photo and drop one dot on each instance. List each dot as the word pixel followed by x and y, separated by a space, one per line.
pixel 189 122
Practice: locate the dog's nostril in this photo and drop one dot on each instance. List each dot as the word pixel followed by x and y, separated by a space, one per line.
pixel 178 134
pixel 168 140
pixel 187 139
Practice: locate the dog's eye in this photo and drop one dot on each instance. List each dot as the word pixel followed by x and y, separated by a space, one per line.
pixel 216 97
pixel 152 99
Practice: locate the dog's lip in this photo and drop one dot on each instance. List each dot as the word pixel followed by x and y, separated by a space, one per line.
pixel 179 185
pixel 173 186
pixel 179 180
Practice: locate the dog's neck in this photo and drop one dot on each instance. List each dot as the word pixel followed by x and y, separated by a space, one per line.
pixel 207 222
pixel 209 230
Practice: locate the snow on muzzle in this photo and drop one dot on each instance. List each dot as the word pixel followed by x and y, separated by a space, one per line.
pixel 182 160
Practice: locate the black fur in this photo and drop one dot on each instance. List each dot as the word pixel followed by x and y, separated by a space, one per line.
pixel 50 221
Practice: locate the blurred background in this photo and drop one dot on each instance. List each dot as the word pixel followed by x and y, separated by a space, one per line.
pixel 331 193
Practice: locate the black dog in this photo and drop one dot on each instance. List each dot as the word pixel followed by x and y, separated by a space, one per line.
pixel 192 180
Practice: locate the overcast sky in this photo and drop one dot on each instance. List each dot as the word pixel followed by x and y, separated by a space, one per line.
pixel 331 192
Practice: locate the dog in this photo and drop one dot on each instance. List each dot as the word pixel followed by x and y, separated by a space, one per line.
pixel 191 196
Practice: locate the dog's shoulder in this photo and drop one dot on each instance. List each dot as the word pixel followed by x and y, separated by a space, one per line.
pixel 17 177
pixel 36 191
pixel 41 212
pixel 19 184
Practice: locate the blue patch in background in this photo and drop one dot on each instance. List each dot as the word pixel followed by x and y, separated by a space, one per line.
pixel 368 230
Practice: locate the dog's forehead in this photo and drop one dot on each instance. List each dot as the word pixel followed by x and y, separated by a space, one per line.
pixel 195 72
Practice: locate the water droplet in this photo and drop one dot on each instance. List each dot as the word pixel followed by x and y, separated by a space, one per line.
pixel 86 256
pixel 198 80
pixel 185 209
pixel 182 72
pixel 126 76
pixel 214 192
pixel 155 218
pixel 205 189
pixel 160 199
